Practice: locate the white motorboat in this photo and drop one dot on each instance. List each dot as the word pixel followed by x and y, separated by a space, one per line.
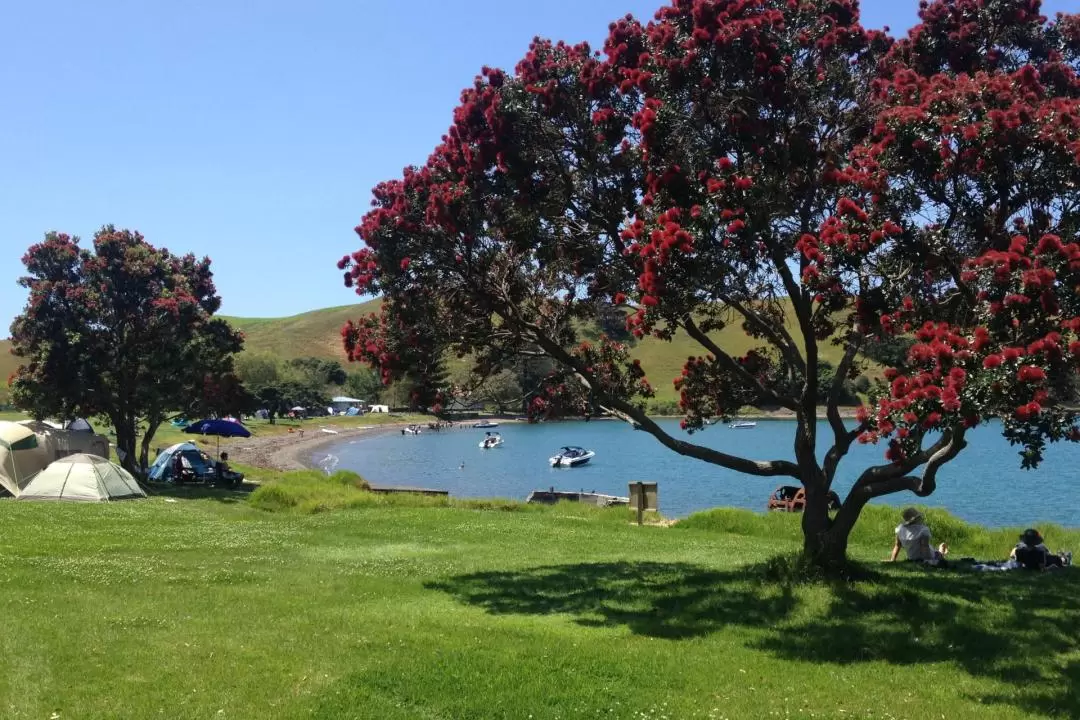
pixel 493 440
pixel 743 425
pixel 571 456
pixel 485 424
pixel 411 430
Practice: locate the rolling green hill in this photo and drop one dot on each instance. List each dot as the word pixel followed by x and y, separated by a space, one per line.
pixel 311 334
pixel 8 363
pixel 317 333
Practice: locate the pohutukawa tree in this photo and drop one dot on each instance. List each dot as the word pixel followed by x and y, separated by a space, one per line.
pixel 746 162
pixel 124 330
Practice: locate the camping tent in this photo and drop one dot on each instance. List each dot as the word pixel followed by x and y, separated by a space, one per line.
pixel 82 478
pixel 341 403
pixel 60 443
pixel 194 458
pixel 80 425
pixel 21 456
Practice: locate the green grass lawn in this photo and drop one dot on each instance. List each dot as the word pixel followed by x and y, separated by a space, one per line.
pixel 212 608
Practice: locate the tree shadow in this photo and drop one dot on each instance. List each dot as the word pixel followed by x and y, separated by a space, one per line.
pixel 1018 629
pixel 666 600
pixel 1021 629
pixel 200 491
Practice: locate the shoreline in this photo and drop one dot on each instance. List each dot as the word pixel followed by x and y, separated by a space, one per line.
pixel 293 452
pixel 290 452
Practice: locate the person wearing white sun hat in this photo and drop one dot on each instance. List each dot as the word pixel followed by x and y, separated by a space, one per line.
pixel 913 536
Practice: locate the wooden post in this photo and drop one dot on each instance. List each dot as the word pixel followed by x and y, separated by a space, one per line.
pixel 637 500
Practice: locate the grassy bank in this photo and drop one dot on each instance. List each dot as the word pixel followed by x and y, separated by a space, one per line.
pixel 234 606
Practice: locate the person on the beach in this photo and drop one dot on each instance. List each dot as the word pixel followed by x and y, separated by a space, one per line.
pixel 913 536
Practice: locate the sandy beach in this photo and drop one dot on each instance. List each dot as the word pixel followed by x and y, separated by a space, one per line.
pixel 294 450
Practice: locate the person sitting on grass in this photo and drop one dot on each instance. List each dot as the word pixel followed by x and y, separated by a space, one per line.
pixel 913 536
pixel 1031 553
pixel 225 474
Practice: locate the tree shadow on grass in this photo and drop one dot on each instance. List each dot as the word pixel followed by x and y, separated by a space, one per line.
pixel 1018 629
pixel 666 600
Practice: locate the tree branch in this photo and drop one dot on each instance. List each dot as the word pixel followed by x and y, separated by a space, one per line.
pixel 842 437
pixel 760 468
pixel 883 480
pixel 886 479
pixel 777 335
pixel 729 363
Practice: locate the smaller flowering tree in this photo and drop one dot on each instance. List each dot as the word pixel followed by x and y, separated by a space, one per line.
pixel 126 331
pixel 772 165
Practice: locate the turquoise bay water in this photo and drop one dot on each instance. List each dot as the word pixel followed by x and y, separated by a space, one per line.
pixel 984 484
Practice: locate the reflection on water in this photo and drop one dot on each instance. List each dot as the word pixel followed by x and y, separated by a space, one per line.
pixel 984 484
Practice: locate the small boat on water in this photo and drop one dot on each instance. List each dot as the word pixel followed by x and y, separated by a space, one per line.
pixel 742 425
pixel 493 440
pixel 485 424
pixel 571 456
pixel 411 430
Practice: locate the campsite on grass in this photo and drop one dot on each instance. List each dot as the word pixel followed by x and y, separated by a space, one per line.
pixel 628 359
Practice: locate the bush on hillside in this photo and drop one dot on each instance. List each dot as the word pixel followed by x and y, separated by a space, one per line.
pixel 312 491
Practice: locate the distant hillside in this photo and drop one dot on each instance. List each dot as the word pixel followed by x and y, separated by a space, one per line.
pixel 8 363
pixel 317 333
pixel 311 334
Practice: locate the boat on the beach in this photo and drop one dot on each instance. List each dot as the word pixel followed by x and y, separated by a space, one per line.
pixel 492 440
pixel 485 424
pixel 571 456
pixel 742 425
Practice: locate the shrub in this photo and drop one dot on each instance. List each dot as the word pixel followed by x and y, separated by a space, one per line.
pixel 664 407
pixel 309 491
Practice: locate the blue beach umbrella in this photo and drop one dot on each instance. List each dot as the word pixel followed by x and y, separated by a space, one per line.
pixel 218 428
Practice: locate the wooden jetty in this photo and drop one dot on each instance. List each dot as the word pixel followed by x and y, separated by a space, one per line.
pixel 552 496
pixel 390 489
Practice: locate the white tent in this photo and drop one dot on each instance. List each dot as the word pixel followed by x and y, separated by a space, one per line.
pixel 82 478
pixel 60 443
pixel 22 456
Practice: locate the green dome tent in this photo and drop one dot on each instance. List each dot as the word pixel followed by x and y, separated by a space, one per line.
pixel 82 478
pixel 21 456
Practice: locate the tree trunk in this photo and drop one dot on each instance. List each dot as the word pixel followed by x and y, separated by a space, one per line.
pixel 125 444
pixel 144 447
pixel 825 539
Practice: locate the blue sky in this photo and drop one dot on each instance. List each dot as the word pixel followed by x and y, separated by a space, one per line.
pixel 251 132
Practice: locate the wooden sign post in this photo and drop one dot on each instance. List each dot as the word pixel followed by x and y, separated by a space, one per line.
pixel 644 496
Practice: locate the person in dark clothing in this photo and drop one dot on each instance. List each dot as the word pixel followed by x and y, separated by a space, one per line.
pixel 225 475
pixel 178 471
pixel 1031 553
